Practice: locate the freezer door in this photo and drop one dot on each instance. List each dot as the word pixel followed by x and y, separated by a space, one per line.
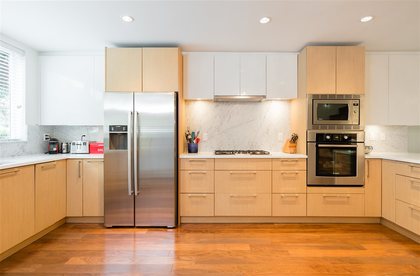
pixel 156 156
pixel 118 154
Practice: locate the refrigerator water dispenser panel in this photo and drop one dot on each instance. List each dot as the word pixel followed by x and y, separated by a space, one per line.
pixel 118 137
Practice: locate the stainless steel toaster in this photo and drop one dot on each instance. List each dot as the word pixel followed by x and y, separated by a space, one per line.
pixel 79 147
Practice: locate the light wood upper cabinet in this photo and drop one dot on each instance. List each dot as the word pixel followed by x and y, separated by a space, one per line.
pixel 50 194
pixel 332 70
pixel 93 187
pixel 17 206
pixel 198 76
pixel 350 75
pixel 320 69
pixel 161 69
pixel 123 69
pixel 373 187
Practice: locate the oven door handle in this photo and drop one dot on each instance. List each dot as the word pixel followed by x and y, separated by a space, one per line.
pixel 335 146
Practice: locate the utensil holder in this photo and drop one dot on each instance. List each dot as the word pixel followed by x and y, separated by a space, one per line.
pixel 192 148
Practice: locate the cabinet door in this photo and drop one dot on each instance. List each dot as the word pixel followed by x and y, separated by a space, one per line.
pixel 161 69
pixel 227 74
pixel 93 188
pixel 389 170
pixel 74 188
pixel 350 76
pixel 253 74
pixel 281 76
pixel 404 89
pixel 320 69
pixel 373 187
pixel 198 76
pixel 50 194
pixel 68 82
pixel 17 213
pixel 377 97
pixel 123 69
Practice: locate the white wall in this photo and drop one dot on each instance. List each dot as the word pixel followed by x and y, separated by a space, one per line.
pixel 263 125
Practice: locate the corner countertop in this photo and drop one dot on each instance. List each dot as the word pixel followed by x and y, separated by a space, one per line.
pixel 395 156
pixel 25 160
pixel 239 156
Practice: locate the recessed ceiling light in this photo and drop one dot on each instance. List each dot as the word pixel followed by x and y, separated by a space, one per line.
pixel 365 19
pixel 127 18
pixel 265 20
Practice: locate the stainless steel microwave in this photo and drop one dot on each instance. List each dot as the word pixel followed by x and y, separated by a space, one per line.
pixel 335 112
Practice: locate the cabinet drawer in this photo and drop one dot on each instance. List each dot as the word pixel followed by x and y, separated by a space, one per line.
pixel 243 182
pixel 243 205
pixel 289 181
pixel 407 189
pixel 289 164
pixel 197 164
pixel 408 216
pixel 289 205
pixel 412 170
pixel 336 205
pixel 200 205
pixel 196 182
pixel 243 164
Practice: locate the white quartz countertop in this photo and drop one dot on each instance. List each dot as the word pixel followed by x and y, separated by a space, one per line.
pixel 18 161
pixel 395 156
pixel 271 155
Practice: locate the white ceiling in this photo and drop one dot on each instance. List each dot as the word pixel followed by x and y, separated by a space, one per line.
pixel 211 25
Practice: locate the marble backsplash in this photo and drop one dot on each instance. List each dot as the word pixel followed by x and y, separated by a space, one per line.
pixel 264 125
pixel 36 145
pixel 387 138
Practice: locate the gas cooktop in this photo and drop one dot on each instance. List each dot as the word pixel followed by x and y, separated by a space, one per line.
pixel 233 152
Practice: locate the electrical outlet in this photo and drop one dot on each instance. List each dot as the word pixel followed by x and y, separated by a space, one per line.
pixel 47 137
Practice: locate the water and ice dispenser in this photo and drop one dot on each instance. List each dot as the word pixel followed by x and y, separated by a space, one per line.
pixel 118 137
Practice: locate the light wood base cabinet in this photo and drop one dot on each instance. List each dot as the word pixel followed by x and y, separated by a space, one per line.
pixel 285 205
pixel 50 194
pixel 242 205
pixel 336 205
pixel 197 205
pixel 17 206
pixel 373 187
pixel 85 188
pixel 408 216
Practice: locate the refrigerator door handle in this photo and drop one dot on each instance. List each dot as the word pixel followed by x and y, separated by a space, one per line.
pixel 129 154
pixel 136 154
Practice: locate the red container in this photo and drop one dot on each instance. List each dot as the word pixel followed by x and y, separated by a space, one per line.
pixel 96 148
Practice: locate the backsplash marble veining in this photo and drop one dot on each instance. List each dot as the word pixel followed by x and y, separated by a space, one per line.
pixel 264 125
pixel 74 133
pixel 387 138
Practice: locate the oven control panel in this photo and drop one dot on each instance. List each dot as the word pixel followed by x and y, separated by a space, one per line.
pixel 336 138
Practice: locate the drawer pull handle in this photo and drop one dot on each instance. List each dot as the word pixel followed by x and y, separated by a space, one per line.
pixel 289 161
pixel 286 196
pixel 415 183
pixel 239 172
pixel 233 195
pixel 49 166
pixel 414 167
pixel 197 160
pixel 95 161
pixel 9 173
pixel 286 173
pixel 197 195
pixel 335 196
pixel 198 172
pixel 414 209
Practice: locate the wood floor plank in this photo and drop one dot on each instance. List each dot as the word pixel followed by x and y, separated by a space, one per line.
pixel 219 249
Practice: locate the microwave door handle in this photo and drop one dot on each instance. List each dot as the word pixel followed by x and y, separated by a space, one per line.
pixel 335 146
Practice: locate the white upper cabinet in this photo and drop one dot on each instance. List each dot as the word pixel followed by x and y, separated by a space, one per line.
pixel 253 74
pixel 282 76
pixel 377 99
pixel 72 89
pixel 404 89
pixel 227 75
pixel 198 76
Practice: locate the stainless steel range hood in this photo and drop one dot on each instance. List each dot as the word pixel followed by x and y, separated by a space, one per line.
pixel 239 98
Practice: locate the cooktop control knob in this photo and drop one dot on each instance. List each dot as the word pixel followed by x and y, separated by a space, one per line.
pixel 345 137
pixel 327 137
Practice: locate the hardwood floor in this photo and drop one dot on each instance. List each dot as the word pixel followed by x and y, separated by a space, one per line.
pixel 220 249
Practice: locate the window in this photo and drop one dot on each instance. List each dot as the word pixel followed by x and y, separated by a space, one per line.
pixel 12 93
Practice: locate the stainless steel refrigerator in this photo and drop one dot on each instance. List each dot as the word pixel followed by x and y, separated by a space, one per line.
pixel 140 173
